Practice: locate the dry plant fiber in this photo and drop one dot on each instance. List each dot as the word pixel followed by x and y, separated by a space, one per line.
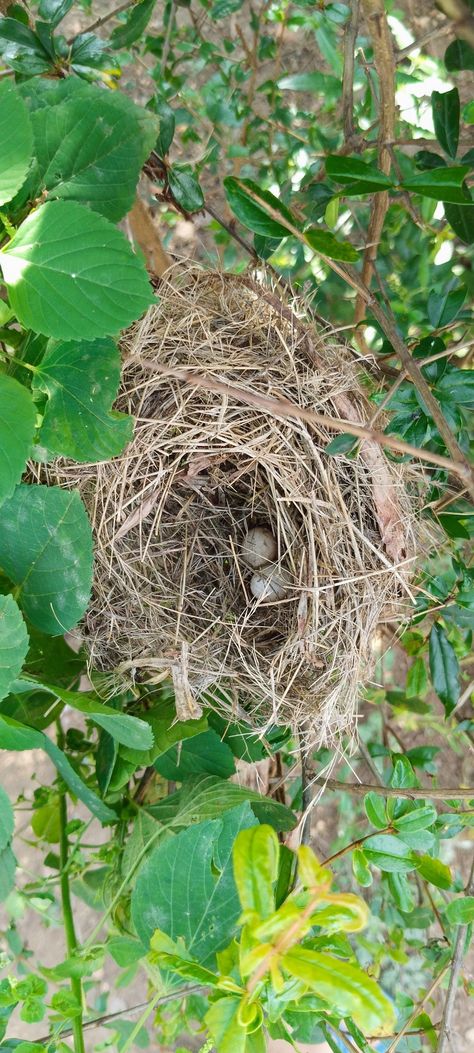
pixel 174 594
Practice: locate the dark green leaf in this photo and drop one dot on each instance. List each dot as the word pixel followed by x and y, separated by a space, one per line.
pixel 46 550
pixel 442 184
pixel 357 176
pixel 389 854
pixel 434 871
pixel 203 753
pixel 21 48
pixel 223 8
pixel 136 21
pixel 17 141
pixel 446 112
pixel 402 892
pixel 17 429
pixel 72 275
pixel 124 728
pixel 253 214
pixel 341 444
pixel 54 10
pixel 444 668
pixel 7 821
pixel 443 307
pixel 265 247
pixel 187 887
pixel 461 220
pixel 167 124
pixel 185 188
pixel 81 382
pixel 460 911
pixel 325 243
pixel 87 52
pixel 459 55
pixel 13 643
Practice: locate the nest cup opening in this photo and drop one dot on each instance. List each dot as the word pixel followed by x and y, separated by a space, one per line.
pixel 175 591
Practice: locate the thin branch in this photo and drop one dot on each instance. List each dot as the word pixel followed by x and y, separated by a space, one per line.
pixel 68 915
pixel 426 38
pixel 458 957
pixel 350 37
pixel 282 407
pixel 359 789
pixel 416 1012
pixel 106 1018
pixel 101 21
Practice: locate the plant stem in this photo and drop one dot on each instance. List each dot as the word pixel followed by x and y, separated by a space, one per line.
pixel 68 918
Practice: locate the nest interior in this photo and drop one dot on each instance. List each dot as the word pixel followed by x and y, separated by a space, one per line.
pixel 211 459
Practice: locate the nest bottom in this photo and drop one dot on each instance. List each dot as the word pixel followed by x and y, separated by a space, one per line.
pixel 172 593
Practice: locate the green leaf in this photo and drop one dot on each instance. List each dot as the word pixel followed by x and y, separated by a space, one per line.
pixel 17 429
pixel 360 868
pixel 205 796
pixel 185 188
pixel 54 10
pixel 459 55
pixel 167 124
pixel 131 731
pixel 7 872
pixel 187 888
pixel 125 950
pixel 81 382
pixel 417 679
pixel 324 242
pixel 7 821
pixel 375 810
pixel 347 988
pixel 46 550
pixel 461 220
pixel 312 82
pixel 343 443
pixel 443 307
pixel 356 175
pixel 419 818
pixel 22 49
pixel 202 753
pixel 15 736
pixel 222 1020
pixel 253 214
pixel 16 139
pixel 124 35
pixel 444 668
pixel 446 113
pixel 434 871
pixel 72 275
pixel 460 911
pixel 223 8
pixel 402 892
pixel 389 854
pixel 442 184
pixel 90 146
pixel 13 643
pixel 256 855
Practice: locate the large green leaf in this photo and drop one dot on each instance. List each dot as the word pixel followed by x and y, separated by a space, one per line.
pixel 434 871
pixel 444 668
pixel 72 275
pixel 442 184
pixel 18 737
pixel 443 307
pixel 16 141
pixel 206 796
pixel 17 429
pixel 256 858
pixel 81 382
pixel 356 176
pixel 46 550
pixel 202 753
pixel 90 146
pixel 446 113
pixel 347 988
pixel 389 854
pixel 7 821
pixel 187 888
pixel 13 643
pixel 122 727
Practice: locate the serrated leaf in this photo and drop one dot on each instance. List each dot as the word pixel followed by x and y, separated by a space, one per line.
pixel 441 184
pixel 375 810
pixel 187 888
pixel 460 911
pixel 13 643
pixel 17 429
pixel 443 307
pixel 389 854
pixel 7 821
pixel 124 35
pixel 72 275
pixel 18 737
pixel 446 113
pixel 346 987
pixel 444 668
pixel 17 141
pixel 81 382
pixel 46 550
pixel 434 871
pixel 90 146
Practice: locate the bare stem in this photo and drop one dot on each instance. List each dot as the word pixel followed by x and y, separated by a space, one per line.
pixel 68 918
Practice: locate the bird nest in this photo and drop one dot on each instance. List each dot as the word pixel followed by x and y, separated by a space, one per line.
pixel 227 388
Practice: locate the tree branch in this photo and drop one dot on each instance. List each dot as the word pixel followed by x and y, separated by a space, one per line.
pixel 350 37
pixel 359 789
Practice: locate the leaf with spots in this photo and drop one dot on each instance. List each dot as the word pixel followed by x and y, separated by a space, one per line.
pixel 81 383
pixel 70 274
pixel 46 550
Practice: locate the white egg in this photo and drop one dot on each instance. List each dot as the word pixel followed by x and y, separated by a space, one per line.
pixel 259 547
pixel 270 584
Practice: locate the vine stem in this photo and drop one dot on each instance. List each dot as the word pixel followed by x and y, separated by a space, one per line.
pixel 68 917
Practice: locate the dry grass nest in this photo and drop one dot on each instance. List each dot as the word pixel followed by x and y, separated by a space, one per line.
pixel 214 456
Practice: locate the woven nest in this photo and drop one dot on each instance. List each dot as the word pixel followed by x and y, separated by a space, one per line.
pixel 213 456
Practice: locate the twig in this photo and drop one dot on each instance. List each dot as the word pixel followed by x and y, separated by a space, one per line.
pixel 167 40
pixel 230 230
pixel 457 960
pixel 359 789
pixel 416 1012
pixel 426 38
pixel 102 20
pixel 350 37
pixel 281 407
pixel 307 794
pixel 68 917
pixel 88 1025
pixel 375 12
